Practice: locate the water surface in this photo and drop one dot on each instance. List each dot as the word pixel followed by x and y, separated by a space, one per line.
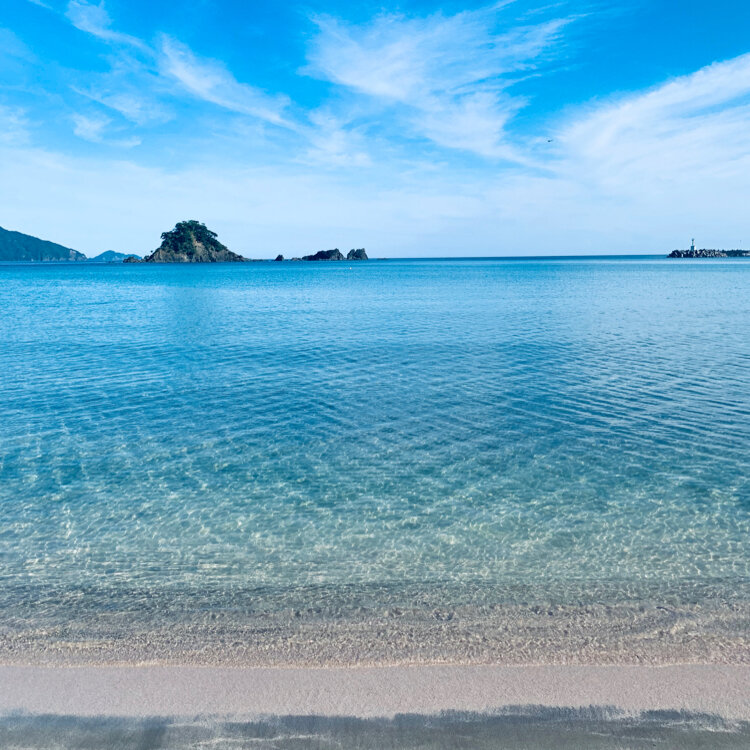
pixel 182 444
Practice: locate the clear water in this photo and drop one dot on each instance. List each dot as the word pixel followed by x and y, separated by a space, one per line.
pixel 198 436
pixel 519 728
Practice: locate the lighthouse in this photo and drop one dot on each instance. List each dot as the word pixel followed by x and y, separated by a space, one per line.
pixel 692 245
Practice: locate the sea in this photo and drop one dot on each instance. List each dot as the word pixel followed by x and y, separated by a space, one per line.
pixel 397 461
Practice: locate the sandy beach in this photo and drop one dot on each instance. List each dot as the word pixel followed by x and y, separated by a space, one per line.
pixel 370 691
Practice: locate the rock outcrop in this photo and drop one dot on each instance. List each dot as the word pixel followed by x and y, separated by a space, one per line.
pixel 191 242
pixel 334 254
pixel 358 254
pixel 709 253
pixel 16 246
pixel 279 257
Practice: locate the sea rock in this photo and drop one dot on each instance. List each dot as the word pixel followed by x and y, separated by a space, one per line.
pixel 132 259
pixel 358 254
pixel 334 254
pixel 192 242
pixel 279 257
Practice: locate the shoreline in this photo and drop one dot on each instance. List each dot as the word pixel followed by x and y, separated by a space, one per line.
pixel 656 633
pixel 144 691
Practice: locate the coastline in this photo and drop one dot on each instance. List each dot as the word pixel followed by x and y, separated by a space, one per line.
pixel 658 631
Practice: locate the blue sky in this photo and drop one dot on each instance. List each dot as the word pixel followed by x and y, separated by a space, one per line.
pixel 417 128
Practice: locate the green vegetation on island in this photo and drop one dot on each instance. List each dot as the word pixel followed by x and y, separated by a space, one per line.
pixel 190 242
pixel 16 246
pixel 335 254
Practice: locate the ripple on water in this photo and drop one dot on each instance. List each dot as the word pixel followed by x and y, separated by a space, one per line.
pixel 461 424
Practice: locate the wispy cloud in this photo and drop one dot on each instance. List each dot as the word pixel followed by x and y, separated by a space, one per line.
pixel 94 19
pixel 688 128
pixel 142 78
pixel 333 144
pixel 448 76
pixel 12 46
pixel 139 107
pixel 14 126
pixel 210 81
pixel 94 129
pixel 644 168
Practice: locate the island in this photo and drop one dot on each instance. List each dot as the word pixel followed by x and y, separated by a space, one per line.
pixel 189 242
pixel 112 256
pixel 335 254
pixel 325 255
pixel 16 246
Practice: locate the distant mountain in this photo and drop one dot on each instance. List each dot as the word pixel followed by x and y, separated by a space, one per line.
pixel 110 256
pixel 190 242
pixel 18 246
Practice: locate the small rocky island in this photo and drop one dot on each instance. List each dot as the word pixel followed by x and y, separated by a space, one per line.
pixel 336 254
pixel 190 242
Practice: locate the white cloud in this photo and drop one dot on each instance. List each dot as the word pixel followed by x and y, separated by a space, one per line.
pixel 691 128
pixel 210 81
pixel 14 126
pixel 332 144
pixel 640 172
pixel 140 109
pixel 94 19
pixel 94 129
pixel 447 75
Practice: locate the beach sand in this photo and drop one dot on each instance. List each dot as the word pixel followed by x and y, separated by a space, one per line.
pixel 544 707
pixel 722 690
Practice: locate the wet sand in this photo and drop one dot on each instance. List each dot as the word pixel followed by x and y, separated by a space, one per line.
pixel 657 632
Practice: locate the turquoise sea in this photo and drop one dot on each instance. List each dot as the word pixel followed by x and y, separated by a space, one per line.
pixel 188 451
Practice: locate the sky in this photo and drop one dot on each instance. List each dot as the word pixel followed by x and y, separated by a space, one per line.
pixel 412 129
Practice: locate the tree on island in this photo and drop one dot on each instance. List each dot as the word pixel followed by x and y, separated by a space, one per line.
pixel 191 242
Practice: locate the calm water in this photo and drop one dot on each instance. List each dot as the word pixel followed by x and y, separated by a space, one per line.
pixel 532 728
pixel 206 436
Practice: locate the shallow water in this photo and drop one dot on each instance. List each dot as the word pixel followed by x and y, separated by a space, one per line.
pixel 530 728
pixel 178 443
